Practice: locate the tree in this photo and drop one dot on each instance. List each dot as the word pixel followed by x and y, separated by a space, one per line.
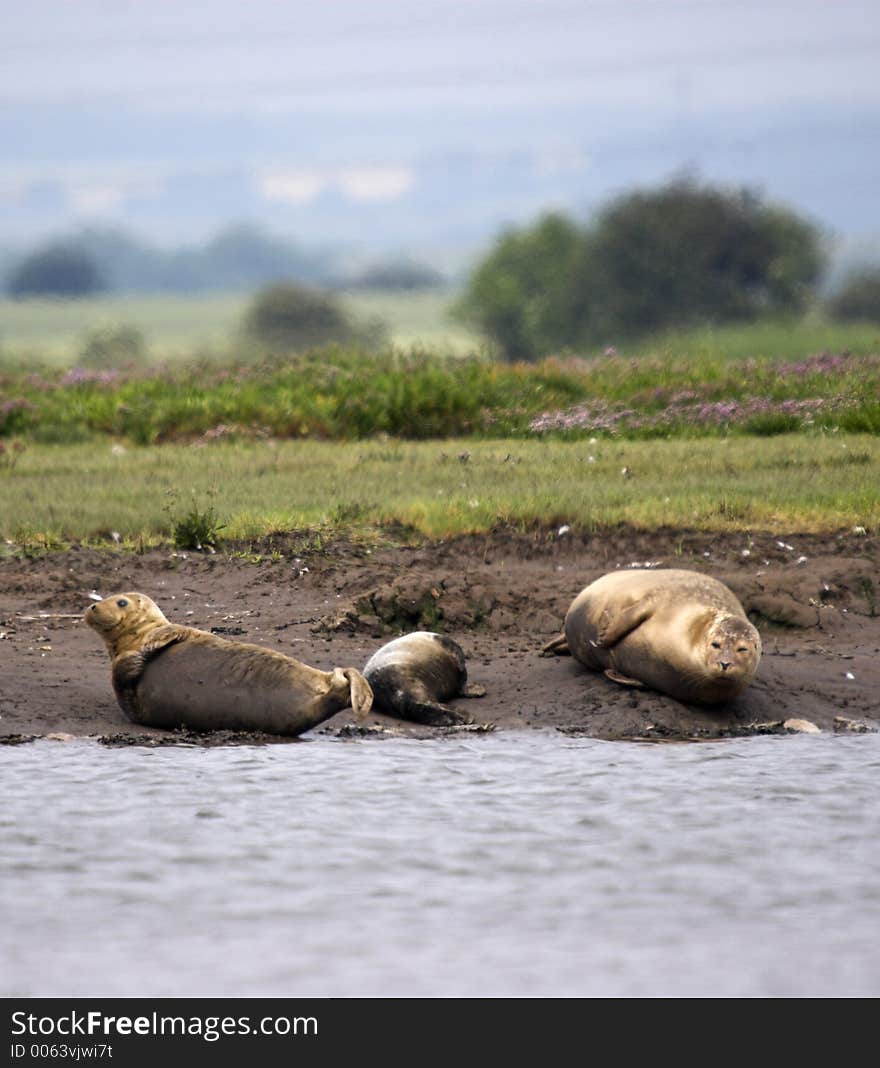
pixel 654 259
pixel 858 298
pixel 521 294
pixel 287 317
pixel 686 254
pixel 56 270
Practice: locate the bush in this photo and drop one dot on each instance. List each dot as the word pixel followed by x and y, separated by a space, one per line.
pixel 113 346
pixel 57 270
pixel 403 275
pixel 858 298
pixel 288 317
pixel 679 255
pixel 521 295
pixel 198 528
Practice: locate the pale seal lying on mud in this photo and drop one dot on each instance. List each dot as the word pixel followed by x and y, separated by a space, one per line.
pixel 167 675
pixel 411 676
pixel 676 631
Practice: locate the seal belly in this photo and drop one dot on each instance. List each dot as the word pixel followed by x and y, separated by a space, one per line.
pixel 207 686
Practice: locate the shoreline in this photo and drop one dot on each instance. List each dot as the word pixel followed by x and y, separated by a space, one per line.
pixel 500 596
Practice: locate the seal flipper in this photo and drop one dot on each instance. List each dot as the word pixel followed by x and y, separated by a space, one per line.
pixel 361 693
pixel 618 625
pixel 431 712
pixel 129 668
pixel 624 680
pixel 412 700
pixel 557 647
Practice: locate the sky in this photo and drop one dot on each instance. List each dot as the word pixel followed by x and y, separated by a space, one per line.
pixel 433 121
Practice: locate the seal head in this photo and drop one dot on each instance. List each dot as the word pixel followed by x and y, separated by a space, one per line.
pixel 732 651
pixel 125 621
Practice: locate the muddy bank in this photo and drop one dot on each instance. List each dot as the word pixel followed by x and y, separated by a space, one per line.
pixel 815 599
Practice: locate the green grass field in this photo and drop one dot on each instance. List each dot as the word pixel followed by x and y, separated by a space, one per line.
pixel 766 340
pixel 792 482
pixel 736 428
pixel 178 326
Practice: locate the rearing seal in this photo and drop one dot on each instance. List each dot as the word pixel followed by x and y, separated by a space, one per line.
pixel 677 631
pixel 166 675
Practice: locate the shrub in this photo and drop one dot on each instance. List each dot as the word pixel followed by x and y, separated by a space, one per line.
pixel 858 297
pixel 289 317
pixel 56 270
pixel 401 274
pixel 198 528
pixel 113 346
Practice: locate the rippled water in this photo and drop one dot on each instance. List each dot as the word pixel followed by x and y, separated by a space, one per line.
pixel 516 864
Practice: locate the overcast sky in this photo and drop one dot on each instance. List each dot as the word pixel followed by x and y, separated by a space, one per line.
pixel 228 55
pixel 112 97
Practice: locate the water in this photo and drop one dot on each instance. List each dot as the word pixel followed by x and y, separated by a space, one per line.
pixel 516 864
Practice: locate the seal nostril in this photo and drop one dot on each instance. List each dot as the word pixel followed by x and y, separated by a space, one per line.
pixel 725 664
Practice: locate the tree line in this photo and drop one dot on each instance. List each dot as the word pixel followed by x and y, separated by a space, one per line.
pixel 241 257
pixel 680 255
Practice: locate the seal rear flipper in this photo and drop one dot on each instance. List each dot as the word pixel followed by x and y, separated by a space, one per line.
pixel 360 693
pixel 431 713
pixel 557 647
pixel 618 624
pixel 624 680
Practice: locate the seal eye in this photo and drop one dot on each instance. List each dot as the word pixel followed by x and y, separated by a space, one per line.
pixel 122 602
pixel 716 645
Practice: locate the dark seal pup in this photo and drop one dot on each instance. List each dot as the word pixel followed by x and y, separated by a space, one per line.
pixel 413 675
pixel 166 675
pixel 679 632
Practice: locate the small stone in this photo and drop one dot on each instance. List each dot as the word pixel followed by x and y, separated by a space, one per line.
pixel 852 726
pixel 801 726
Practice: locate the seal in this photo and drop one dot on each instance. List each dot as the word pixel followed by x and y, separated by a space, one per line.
pixel 679 632
pixel 166 675
pixel 411 676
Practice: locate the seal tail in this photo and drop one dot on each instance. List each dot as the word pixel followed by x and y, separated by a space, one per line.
pixel 360 693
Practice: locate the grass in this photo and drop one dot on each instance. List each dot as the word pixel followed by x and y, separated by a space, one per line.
pixel 772 340
pixel 435 489
pixel 343 394
pixel 57 329
pixel 175 326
